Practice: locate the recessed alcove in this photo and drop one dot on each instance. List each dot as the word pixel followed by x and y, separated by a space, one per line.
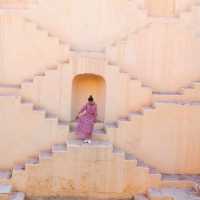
pixel 85 85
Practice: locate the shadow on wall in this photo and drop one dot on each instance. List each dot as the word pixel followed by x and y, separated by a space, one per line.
pixel 85 85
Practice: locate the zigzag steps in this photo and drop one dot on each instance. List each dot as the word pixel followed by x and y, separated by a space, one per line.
pixel 55 129
pixel 43 113
pixel 50 117
pixel 38 37
pixel 6 175
pixel 142 96
pixel 135 104
pixel 102 151
pixel 31 87
pixel 52 51
pixel 187 94
pixel 102 133
pixel 29 105
pixel 154 174
pixel 146 169
pixel 58 46
pixel 134 123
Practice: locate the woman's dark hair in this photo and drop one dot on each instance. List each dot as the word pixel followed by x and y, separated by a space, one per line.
pixel 90 98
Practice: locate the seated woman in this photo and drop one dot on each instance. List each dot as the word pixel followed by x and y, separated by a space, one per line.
pixel 86 119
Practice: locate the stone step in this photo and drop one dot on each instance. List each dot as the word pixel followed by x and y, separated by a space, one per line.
pixel 172 194
pixel 45 155
pixel 94 144
pixel 98 134
pixel 140 197
pixel 17 196
pixel 141 164
pixel 59 148
pixel 6 174
pixel 97 150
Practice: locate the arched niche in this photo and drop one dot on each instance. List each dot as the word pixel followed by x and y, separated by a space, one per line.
pixel 84 85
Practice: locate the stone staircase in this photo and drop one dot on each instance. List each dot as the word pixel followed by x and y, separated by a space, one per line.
pixel 171 193
pixel 170 180
pixel 139 22
pixel 48 125
pixel 43 113
pixel 185 94
pixel 162 97
pixel 29 88
pixel 98 151
pixel 101 132
pixel 62 45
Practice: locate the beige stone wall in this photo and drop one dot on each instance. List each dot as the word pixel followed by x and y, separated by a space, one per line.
pixel 165 137
pixel 103 173
pixel 155 132
pixel 162 55
pixel 157 49
pixel 25 50
pixel 107 17
pixel 26 130
pixel 39 92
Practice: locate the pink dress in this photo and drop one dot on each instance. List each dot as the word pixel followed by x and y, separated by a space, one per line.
pixel 86 121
